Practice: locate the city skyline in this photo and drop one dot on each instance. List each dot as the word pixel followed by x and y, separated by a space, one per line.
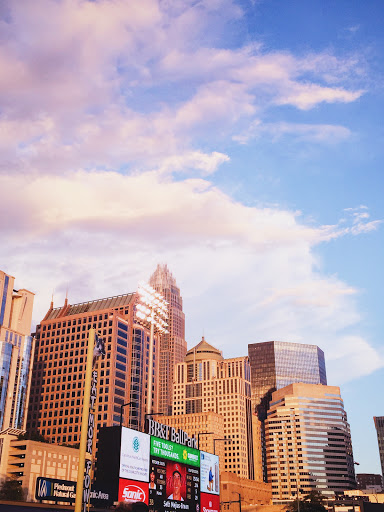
pixel 238 142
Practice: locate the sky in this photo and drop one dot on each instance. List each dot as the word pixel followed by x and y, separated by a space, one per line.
pixel 239 142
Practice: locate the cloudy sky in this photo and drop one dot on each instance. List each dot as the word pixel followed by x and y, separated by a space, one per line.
pixel 238 142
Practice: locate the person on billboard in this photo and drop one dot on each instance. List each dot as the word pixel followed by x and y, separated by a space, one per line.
pixel 152 477
pixel 176 481
pixel 210 479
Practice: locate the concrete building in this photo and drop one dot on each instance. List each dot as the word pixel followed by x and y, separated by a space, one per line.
pixel 205 426
pixel 27 460
pixel 16 352
pixel 308 442
pixel 251 493
pixel 173 346
pixel 274 365
pixel 56 401
pixel 379 424
pixel 369 481
pixel 206 382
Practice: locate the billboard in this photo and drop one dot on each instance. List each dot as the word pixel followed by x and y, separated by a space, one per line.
pixel 52 489
pixel 134 455
pixel 166 475
pixel 209 473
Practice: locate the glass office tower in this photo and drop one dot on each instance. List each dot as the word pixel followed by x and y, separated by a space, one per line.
pixel 16 347
pixel 276 364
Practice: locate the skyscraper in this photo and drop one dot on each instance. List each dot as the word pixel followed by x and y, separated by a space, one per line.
pixel 173 346
pixel 205 382
pixel 56 402
pixel 16 346
pixel 308 442
pixel 379 424
pixel 275 364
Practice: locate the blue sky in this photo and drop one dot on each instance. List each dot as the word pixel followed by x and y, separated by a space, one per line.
pixel 238 142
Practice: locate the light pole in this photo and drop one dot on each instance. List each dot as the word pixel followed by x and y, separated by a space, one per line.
pixel 121 411
pixel 235 492
pixel 151 309
pixel 201 434
pixel 222 439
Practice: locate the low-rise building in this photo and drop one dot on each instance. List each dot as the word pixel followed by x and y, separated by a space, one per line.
pixel 26 460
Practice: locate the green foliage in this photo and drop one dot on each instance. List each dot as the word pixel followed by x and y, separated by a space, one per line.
pixel 32 435
pixel 11 490
pixel 311 502
pixel 74 445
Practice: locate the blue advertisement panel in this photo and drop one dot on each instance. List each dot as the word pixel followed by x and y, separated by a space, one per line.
pixel 209 473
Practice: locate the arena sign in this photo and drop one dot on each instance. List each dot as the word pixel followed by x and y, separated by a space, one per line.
pixel 170 434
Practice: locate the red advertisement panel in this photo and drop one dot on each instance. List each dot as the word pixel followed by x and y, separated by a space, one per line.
pixel 209 502
pixel 132 490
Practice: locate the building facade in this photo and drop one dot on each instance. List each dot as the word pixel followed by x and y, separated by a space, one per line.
pixel 205 382
pixel 26 460
pixel 379 424
pixel 308 442
pixel 204 426
pixel 173 346
pixel 56 400
pixel 16 352
pixel 276 364
pixel 369 481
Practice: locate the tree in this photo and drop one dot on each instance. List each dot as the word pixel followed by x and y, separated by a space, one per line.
pixel 11 490
pixel 32 435
pixel 311 502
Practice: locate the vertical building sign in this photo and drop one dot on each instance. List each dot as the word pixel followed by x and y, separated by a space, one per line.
pixel 95 350
pixel 90 434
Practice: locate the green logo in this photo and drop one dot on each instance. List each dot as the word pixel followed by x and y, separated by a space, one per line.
pixel 136 444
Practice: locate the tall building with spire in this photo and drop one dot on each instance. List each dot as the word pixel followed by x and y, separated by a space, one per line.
pixel 16 352
pixel 173 346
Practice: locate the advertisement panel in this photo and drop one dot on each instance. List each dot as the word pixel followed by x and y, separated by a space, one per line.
pixel 55 490
pixel 167 475
pixel 209 502
pixel 209 473
pixel 131 491
pixel 175 452
pixel 134 455
pixel 52 489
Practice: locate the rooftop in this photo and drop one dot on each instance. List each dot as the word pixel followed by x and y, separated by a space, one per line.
pixel 94 305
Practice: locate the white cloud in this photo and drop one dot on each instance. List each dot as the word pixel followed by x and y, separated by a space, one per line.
pixel 320 133
pixel 93 96
pixel 117 84
pixel 306 96
pixel 244 272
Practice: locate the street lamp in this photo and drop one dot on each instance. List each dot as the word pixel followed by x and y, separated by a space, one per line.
pixel 201 434
pixel 121 411
pixel 151 309
pixel 235 492
pixel 222 439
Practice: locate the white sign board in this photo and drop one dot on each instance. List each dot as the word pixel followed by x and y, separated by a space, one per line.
pixel 209 473
pixel 134 455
